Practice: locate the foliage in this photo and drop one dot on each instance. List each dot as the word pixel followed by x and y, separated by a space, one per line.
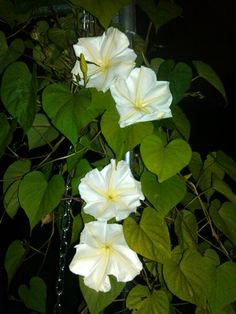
pixel 53 132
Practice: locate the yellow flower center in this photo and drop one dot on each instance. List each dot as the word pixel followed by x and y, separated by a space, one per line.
pixel 141 106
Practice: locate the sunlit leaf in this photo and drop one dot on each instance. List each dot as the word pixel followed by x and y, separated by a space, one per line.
pixel 18 95
pixel 39 197
pixel 142 301
pixel 150 238
pixel 13 258
pixel 207 73
pixel 35 296
pixel 165 161
pixel 97 301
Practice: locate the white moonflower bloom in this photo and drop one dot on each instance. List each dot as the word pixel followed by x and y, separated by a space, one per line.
pixel 111 192
pixel 103 251
pixel 141 97
pixel 108 58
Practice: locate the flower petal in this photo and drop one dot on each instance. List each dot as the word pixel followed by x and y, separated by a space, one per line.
pixel 141 97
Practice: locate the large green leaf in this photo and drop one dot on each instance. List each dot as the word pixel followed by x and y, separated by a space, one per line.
pixel 186 229
pixel 141 301
pixel 188 274
pixel 69 113
pixel 104 10
pixel 39 197
pixel 41 132
pixel 82 167
pixel 97 301
pixel 13 258
pixel 225 219
pixel 165 161
pixel 35 296
pixel 121 140
pixel 181 122
pixel 159 193
pixel 18 94
pixel 179 75
pixel 196 165
pixel 223 188
pixel 5 133
pixel 227 163
pixel 161 13
pixel 223 289
pixel 11 181
pixel 9 54
pixel 210 169
pixel 207 73
pixel 150 238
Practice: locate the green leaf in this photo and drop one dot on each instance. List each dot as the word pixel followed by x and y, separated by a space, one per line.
pixel 69 113
pixel 77 226
pixel 225 219
pixel 150 238
pixel 155 64
pixel 223 188
pixel 9 54
pixel 39 197
pixel 207 73
pixel 195 165
pixel 34 297
pixel 186 229
pixel 41 132
pixel 161 13
pixel 5 133
pixel 97 301
pixel 188 274
pixel 223 290
pixel 103 10
pixel 141 301
pixel 227 163
pixel 13 259
pixel 11 182
pixel 179 75
pixel 122 140
pixel 18 95
pixel 159 193
pixel 181 122
pixel 82 167
pixel 165 161
pixel 210 168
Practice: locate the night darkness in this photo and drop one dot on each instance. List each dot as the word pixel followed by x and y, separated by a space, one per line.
pixel 207 32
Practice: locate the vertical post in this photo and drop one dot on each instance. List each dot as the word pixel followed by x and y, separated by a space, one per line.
pixel 127 18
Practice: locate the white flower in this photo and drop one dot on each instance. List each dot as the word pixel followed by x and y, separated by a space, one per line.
pixel 141 97
pixel 111 192
pixel 103 251
pixel 108 58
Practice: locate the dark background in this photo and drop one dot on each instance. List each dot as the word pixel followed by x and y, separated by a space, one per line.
pixel 206 31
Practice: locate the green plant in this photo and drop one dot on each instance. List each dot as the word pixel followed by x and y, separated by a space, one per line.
pixel 53 132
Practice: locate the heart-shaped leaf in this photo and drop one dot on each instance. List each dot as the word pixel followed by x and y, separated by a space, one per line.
pixel 39 197
pixel 121 140
pixel 41 132
pixel 13 258
pixel 165 161
pixel 150 238
pixel 97 301
pixel 142 301
pixel 104 10
pixel 34 297
pixel 9 54
pixel 159 193
pixel 69 113
pixel 18 94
